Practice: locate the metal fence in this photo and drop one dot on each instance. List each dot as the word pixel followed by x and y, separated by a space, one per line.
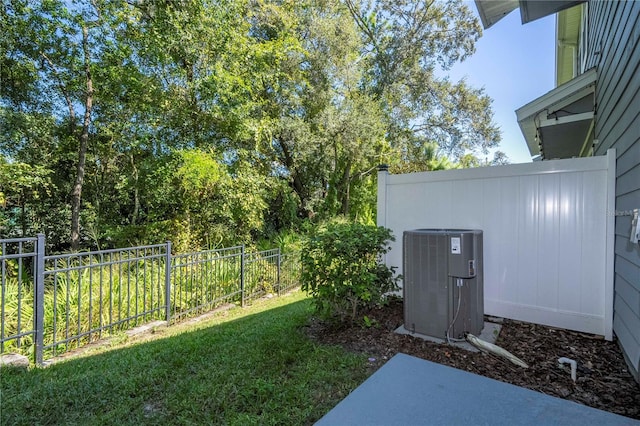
pixel 289 271
pixel 89 293
pixel 203 280
pixel 52 304
pixel 21 267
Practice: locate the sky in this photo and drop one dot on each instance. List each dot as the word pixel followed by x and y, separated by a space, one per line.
pixel 515 64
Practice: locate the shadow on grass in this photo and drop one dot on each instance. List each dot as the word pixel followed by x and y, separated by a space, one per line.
pixel 256 369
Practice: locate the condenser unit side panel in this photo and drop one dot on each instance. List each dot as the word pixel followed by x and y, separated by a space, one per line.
pixel 425 278
pixel 478 290
pixel 462 321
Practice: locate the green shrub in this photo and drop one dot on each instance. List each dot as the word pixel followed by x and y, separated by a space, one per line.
pixel 342 269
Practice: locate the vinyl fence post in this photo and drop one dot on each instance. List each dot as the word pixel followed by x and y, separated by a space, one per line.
pixel 381 211
pixel 167 283
pixel 39 299
pixel 242 276
pixel 279 260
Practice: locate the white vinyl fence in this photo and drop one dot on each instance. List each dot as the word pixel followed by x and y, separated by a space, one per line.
pixel 548 233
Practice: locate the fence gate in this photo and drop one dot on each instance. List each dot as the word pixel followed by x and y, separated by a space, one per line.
pixel 21 295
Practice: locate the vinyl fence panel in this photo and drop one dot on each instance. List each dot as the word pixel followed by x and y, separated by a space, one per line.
pixel 548 227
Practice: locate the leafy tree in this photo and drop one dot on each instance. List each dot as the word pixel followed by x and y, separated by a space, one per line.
pixel 57 45
pixel 320 129
pixel 499 159
pixel 21 187
pixel 233 197
pixel 403 43
pixel 356 137
pixel 206 121
pixel 191 62
pixel 470 160
pixel 421 157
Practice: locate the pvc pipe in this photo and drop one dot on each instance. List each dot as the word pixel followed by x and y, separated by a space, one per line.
pixel 494 349
pixel 574 366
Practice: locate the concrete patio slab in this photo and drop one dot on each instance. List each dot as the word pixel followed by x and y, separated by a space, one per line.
pixel 412 391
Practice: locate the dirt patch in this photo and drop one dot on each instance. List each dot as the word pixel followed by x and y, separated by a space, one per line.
pixel 603 380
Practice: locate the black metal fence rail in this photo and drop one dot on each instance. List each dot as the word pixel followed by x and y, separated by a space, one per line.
pixel 21 285
pixel 89 293
pixel 52 304
pixel 203 280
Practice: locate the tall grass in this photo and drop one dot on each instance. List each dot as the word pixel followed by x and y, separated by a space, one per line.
pixel 290 270
pixel 203 280
pixel 261 273
pixel 16 299
pixel 82 303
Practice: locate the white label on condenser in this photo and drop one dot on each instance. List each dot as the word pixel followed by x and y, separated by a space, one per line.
pixel 455 245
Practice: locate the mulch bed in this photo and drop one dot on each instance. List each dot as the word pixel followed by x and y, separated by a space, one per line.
pixel 603 380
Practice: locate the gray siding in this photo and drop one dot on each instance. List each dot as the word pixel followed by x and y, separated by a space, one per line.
pixel 614 48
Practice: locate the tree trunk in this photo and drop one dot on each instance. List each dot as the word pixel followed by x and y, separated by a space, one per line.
pixel 23 215
pixel 76 194
pixel 296 183
pixel 346 186
pixel 136 195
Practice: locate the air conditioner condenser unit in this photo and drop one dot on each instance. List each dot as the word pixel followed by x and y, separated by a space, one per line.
pixel 443 282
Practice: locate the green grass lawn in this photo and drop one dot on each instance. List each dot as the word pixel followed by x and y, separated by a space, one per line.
pixel 244 366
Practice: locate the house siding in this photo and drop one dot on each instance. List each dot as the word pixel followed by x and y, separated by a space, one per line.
pixel 614 49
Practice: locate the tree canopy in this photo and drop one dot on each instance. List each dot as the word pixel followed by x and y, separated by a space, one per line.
pixel 220 121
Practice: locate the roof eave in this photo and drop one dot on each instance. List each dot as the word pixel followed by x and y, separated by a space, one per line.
pixel 555 99
pixel 491 11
